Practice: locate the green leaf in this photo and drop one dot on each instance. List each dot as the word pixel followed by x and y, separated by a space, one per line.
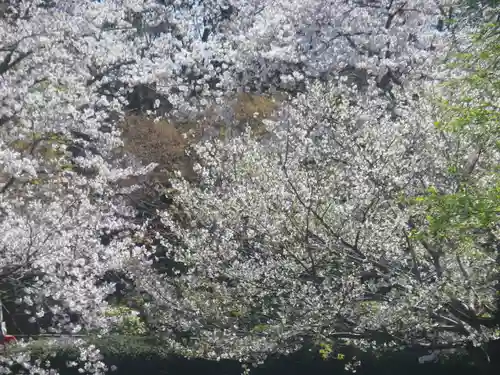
pixel 325 350
pixel 260 328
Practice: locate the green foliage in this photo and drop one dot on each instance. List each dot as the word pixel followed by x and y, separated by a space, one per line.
pixel 259 328
pixel 474 112
pixel 139 347
pixel 110 346
pixel 46 145
pixel 369 306
pixel 129 354
pixel 470 114
pixel 459 214
pixel 128 322
pixel 45 85
pixel 235 313
pixel 325 350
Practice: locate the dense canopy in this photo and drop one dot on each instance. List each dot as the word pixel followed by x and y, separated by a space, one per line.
pixel 364 212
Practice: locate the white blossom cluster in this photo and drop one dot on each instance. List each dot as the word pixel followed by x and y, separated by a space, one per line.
pixel 285 230
pixel 89 360
pixel 288 239
pixel 51 214
pixel 55 202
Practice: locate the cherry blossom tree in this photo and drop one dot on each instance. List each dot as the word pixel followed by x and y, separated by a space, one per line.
pixel 56 159
pixel 315 236
pixel 65 69
pixel 342 227
pixel 58 168
pixel 198 52
pixel 305 235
